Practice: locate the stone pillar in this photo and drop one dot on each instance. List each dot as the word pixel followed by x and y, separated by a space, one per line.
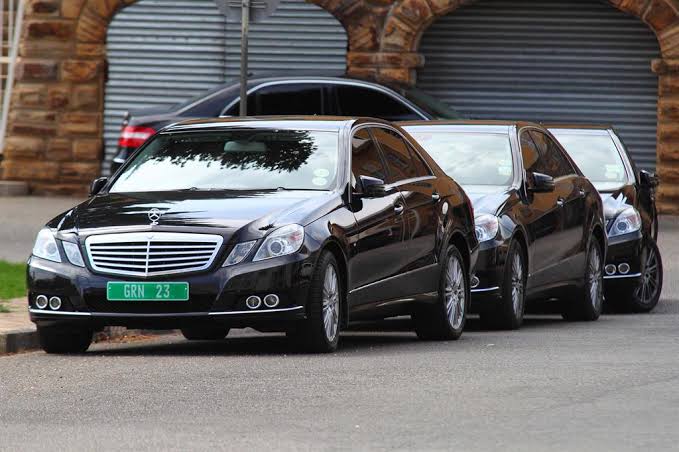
pixel 668 135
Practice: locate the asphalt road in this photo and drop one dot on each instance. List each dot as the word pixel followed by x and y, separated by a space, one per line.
pixel 608 385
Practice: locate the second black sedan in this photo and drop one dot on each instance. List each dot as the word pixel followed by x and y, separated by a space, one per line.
pixel 539 220
pixel 286 224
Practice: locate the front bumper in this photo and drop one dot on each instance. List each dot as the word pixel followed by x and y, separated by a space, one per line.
pixel 217 296
pixel 489 272
pixel 625 250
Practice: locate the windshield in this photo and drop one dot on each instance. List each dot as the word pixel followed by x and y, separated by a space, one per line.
pixel 471 158
pixel 433 106
pixel 234 160
pixel 597 156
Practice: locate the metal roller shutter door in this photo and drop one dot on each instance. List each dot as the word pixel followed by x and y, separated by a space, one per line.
pixel 565 61
pixel 163 51
pixel 160 52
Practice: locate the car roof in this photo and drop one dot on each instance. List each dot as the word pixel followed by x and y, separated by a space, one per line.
pixel 492 126
pixel 575 126
pixel 268 122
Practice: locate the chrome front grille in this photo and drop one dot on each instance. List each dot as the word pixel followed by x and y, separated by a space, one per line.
pixel 152 253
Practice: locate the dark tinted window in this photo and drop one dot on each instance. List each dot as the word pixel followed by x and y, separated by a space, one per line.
pixel 359 101
pixel 530 154
pixel 285 99
pixel 365 158
pixel 421 168
pixel 396 154
pixel 553 160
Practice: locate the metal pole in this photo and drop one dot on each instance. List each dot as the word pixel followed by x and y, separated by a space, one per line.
pixel 14 53
pixel 245 19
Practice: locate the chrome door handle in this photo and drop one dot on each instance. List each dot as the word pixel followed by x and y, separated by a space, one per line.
pixel 559 202
pixel 398 209
pixel 582 193
pixel 435 197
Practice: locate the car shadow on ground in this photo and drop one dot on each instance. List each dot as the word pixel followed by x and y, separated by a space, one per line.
pixel 361 337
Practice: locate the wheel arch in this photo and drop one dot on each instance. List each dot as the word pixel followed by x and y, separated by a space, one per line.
pixel 457 239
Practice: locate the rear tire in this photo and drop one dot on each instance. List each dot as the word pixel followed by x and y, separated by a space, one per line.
pixel 319 333
pixel 64 341
pixel 446 318
pixel 645 294
pixel 508 315
pixel 587 302
pixel 205 333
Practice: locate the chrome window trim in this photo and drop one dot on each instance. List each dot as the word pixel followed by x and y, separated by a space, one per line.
pixel 148 237
pixel 394 95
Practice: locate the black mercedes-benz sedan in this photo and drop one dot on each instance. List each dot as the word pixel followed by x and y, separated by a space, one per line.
pixel 539 220
pixel 286 224
pixel 634 272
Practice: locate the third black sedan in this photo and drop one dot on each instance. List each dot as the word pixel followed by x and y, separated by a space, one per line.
pixel 634 271
pixel 539 220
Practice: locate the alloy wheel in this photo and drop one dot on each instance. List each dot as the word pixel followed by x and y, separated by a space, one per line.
pixel 330 303
pixel 595 278
pixel 648 288
pixel 517 284
pixel 455 292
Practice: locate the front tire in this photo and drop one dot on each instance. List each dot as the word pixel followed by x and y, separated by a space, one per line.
pixel 587 302
pixel 508 315
pixel 645 294
pixel 205 333
pixel 319 333
pixel 445 320
pixel 64 341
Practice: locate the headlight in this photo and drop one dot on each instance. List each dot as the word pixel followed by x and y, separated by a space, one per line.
pixel 239 252
pixel 627 221
pixel 46 246
pixel 282 241
pixel 486 227
pixel 73 254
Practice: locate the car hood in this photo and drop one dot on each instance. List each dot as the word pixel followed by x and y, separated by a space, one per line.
pixel 617 201
pixel 252 214
pixel 487 199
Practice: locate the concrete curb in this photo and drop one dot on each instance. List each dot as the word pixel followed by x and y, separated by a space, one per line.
pixel 21 340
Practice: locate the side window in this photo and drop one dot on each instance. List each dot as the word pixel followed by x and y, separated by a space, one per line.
pixel 365 158
pixel 360 101
pixel 284 99
pixel 396 154
pixel 554 162
pixel 421 168
pixel 530 154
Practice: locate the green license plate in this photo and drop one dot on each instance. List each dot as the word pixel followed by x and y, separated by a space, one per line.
pixel 147 291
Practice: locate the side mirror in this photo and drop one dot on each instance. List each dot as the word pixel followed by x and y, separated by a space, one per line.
pixel 97 185
pixel 540 183
pixel 373 187
pixel 648 179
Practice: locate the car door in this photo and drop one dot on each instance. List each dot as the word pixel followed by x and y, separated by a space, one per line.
pixel 412 177
pixel 570 192
pixel 379 249
pixel 542 217
pixel 355 100
pixel 285 99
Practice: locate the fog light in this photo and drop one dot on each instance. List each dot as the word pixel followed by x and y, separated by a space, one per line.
pixel 475 282
pixel 271 300
pixel 623 268
pixel 55 303
pixel 610 269
pixel 41 302
pixel 253 302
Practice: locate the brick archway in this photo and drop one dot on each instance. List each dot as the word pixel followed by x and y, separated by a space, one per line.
pixel 408 19
pixel 54 135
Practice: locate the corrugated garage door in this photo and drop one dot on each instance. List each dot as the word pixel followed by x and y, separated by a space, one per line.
pixel 160 52
pixel 571 60
pixel 163 51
